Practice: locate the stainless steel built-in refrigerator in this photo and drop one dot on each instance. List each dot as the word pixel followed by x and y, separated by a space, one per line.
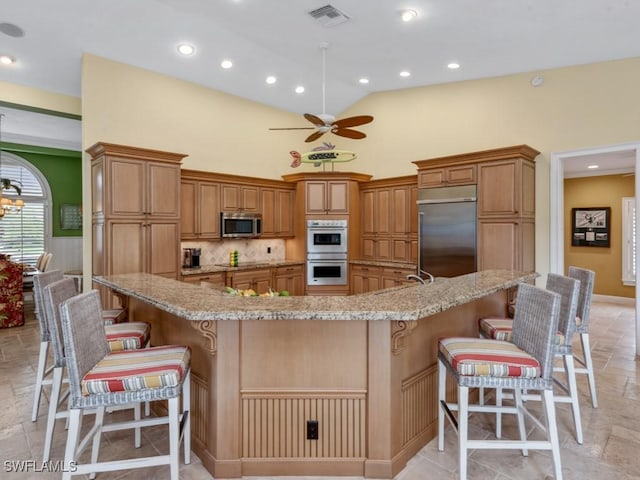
pixel 447 219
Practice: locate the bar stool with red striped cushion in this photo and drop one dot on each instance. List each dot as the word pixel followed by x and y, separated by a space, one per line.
pixel 122 336
pixel 100 379
pixel 526 363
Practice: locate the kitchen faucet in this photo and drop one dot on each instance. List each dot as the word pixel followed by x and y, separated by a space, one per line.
pixel 420 279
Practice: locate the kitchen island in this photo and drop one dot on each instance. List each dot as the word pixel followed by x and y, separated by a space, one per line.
pixel 264 369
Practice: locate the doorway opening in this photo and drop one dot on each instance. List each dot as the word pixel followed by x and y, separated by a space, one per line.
pixel 629 156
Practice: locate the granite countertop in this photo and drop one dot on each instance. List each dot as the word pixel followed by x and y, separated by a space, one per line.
pixel 407 302
pixel 214 268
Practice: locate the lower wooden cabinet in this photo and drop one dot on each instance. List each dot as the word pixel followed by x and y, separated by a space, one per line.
pixel 259 280
pixel 216 279
pixel 367 278
pixel 289 278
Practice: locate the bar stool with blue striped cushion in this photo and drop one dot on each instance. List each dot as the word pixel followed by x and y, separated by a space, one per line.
pixel 524 364
pixel 100 379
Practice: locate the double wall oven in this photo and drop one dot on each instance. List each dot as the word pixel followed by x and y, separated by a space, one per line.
pixel 326 252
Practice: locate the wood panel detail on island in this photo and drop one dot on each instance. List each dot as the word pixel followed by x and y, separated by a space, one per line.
pixel 362 366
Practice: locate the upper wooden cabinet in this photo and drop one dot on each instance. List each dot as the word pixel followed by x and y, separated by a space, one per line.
pixel 506 203
pixel 129 181
pixel 327 197
pixel 240 198
pixel 135 211
pixel 277 212
pixel 506 187
pixel 199 210
pixel 206 194
pixel 447 176
pixel 389 219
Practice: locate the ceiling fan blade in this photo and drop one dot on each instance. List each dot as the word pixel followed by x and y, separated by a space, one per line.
pixel 313 119
pixel 347 132
pixel 314 136
pixel 353 121
pixel 293 128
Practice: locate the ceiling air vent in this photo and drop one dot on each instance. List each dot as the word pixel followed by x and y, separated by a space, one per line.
pixel 329 16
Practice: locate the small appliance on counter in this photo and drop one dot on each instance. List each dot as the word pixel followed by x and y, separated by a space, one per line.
pixel 191 257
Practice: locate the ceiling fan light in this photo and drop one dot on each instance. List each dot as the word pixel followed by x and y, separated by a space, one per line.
pixel 299 89
pixel 326 118
pixel 405 73
pixel 453 65
pixel 364 80
pixel 271 80
pixel 226 64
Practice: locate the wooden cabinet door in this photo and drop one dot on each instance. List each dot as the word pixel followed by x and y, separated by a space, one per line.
pixel 368 248
pixel 338 197
pixel 383 211
pixel 125 240
pixel 162 190
pixel 364 279
pixel 259 280
pixel 433 177
pixel 498 244
pixel 188 207
pixel 401 224
pixel 498 189
pixel 208 207
pixel 125 190
pixel 291 279
pixel 461 175
pixel 401 250
pixel 163 242
pixel 284 213
pixel 368 212
pixel 268 202
pixel 316 198
pixel 238 198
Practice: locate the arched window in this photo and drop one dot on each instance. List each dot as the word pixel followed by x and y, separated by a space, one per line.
pixel 23 233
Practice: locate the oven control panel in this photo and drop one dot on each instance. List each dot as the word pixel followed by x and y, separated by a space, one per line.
pixel 327 223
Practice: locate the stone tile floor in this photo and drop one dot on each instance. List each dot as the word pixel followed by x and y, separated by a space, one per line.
pixel 612 432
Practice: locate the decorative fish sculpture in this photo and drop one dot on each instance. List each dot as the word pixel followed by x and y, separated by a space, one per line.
pixel 323 153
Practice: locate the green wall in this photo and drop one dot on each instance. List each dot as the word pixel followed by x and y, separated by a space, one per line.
pixel 63 171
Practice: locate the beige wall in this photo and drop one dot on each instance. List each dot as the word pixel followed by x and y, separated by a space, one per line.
pixel 601 191
pixel 577 107
pixel 33 97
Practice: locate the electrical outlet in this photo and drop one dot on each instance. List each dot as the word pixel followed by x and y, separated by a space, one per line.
pixel 312 430
pixel 268 249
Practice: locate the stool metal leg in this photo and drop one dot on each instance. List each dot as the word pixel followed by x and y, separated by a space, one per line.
pixel 586 350
pixel 552 432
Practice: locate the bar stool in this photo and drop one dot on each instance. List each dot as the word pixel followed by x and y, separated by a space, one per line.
pixel 527 363
pixel 40 281
pixel 124 336
pixel 587 279
pixel 99 379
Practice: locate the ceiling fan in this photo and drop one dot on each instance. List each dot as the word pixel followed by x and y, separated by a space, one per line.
pixel 324 122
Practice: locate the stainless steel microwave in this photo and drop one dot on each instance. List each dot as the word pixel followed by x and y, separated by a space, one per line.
pixel 240 225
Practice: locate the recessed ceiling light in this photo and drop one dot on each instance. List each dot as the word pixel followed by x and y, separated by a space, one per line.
pixel 299 89
pixel 405 73
pixel 271 80
pixel 226 64
pixel 408 15
pixel 7 60
pixel 364 80
pixel 453 65
pixel 591 167
pixel 186 49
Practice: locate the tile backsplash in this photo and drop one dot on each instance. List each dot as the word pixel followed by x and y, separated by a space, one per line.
pixel 253 250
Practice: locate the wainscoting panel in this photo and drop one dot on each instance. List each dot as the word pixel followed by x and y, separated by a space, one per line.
pixel 199 399
pixel 420 402
pixel 274 424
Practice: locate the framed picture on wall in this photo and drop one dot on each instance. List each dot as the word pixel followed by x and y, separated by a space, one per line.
pixel 590 227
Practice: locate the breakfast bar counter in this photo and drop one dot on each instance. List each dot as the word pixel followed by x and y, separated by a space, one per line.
pixel 264 369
